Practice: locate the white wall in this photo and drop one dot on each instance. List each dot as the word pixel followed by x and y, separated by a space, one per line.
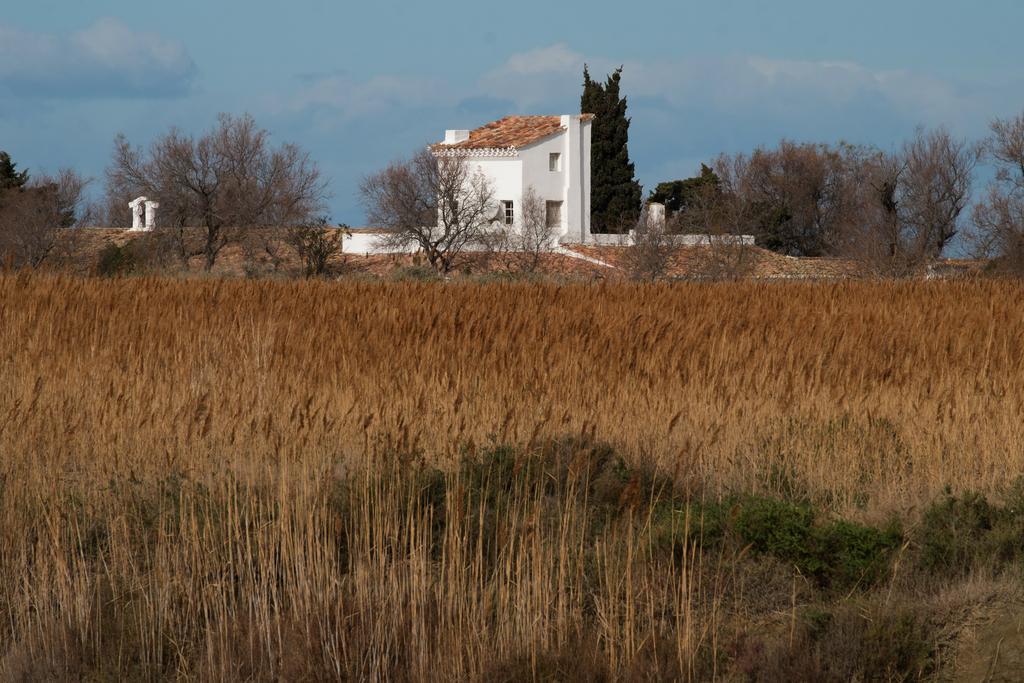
pixel 369 243
pixel 505 175
pixel 547 185
pixel 585 162
pixel 571 183
pixel 610 240
pixel 365 243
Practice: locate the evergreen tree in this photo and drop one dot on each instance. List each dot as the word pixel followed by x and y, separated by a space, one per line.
pixel 10 179
pixel 680 195
pixel 615 194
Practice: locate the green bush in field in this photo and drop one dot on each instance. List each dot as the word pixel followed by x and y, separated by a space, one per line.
pixel 836 553
pixel 677 527
pixel 966 532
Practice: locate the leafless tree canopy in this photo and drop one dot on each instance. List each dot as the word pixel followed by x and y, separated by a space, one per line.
pixel 227 180
pixel 438 204
pixel 802 191
pixel 316 244
pixel 936 188
pixel 32 217
pixel 999 216
pixel 893 211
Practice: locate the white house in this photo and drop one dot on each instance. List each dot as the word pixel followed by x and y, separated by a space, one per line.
pixel 550 154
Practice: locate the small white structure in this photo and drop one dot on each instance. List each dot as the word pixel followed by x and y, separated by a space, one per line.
pixel 655 216
pixel 143 213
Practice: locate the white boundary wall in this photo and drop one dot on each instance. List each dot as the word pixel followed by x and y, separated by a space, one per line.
pixel 367 243
pixel 371 242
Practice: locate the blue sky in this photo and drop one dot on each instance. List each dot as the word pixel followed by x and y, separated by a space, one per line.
pixel 360 85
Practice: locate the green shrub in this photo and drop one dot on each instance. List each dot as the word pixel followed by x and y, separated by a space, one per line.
pixel 777 527
pixel 837 554
pixel 675 527
pixel 854 553
pixel 959 534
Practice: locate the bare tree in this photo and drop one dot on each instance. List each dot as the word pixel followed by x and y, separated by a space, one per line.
pixel 28 227
pixel 874 232
pixel 935 188
pixel 439 203
pixel 224 182
pixel 264 247
pixel 891 211
pixel 33 217
pixel 908 205
pixel 999 217
pixel 649 254
pixel 316 244
pixel 522 247
pixel 797 195
pixel 721 213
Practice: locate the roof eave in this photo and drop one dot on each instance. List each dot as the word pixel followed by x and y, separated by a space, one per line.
pixel 492 152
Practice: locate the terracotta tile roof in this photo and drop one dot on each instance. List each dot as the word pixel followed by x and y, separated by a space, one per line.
pixel 511 131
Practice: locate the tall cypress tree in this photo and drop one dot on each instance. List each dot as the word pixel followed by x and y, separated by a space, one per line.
pixel 614 192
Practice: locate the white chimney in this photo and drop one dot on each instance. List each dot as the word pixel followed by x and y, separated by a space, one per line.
pixel 656 217
pixel 452 137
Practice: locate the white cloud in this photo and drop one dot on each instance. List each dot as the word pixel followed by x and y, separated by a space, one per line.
pixel 684 111
pixel 347 98
pixel 536 77
pixel 799 98
pixel 688 110
pixel 106 59
pixel 772 86
pixel 555 58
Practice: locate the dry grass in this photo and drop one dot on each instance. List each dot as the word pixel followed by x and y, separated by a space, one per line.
pixel 223 479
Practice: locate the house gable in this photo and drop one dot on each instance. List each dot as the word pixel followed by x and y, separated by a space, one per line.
pixel 508 135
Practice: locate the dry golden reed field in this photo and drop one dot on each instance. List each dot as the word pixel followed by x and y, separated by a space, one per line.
pixel 256 480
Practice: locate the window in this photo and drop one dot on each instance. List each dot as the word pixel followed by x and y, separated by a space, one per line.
pixel 553 214
pixel 509 212
pixel 554 161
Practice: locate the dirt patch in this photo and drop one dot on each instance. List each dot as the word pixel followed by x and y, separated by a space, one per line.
pixel 995 651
